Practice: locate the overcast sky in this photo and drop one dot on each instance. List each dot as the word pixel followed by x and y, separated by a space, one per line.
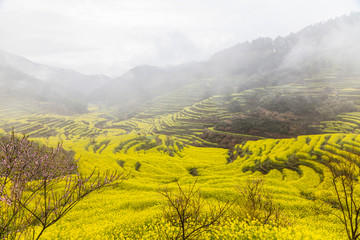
pixel 112 36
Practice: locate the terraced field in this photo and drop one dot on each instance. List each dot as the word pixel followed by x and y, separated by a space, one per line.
pixel 175 101
pixel 293 171
pixel 163 145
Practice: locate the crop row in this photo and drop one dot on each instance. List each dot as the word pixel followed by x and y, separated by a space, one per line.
pixel 311 151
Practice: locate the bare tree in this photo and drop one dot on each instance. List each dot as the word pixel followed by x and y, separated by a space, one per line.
pixel 255 203
pixel 189 213
pixel 345 172
pixel 39 185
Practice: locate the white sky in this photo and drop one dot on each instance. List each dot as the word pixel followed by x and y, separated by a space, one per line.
pixel 111 36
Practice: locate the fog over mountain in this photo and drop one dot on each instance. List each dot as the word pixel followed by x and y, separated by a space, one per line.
pixel 257 63
pixel 253 63
pixel 64 77
pixel 93 36
pixel 279 112
pixel 24 80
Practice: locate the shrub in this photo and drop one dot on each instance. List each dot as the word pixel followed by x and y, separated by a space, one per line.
pixel 137 166
pixel 193 172
pixel 121 163
pixel 255 203
pixel 189 214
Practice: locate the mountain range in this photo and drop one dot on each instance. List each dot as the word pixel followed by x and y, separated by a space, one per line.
pixel 259 63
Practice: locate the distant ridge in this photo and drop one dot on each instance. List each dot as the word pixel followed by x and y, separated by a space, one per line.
pixel 261 62
pixel 61 76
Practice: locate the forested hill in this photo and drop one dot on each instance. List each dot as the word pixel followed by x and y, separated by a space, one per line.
pixel 261 62
pixel 318 49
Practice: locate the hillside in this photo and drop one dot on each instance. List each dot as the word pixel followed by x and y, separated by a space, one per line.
pixel 284 110
pixel 264 62
pixel 57 90
pixel 66 78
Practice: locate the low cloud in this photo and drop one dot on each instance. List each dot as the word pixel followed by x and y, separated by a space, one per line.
pixel 115 34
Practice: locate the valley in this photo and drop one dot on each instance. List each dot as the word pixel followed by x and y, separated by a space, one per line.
pixel 159 146
pixel 247 113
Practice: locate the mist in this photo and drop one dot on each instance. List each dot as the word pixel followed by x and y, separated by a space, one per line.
pixel 231 96
pixel 97 38
pixel 336 40
pixel 152 51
